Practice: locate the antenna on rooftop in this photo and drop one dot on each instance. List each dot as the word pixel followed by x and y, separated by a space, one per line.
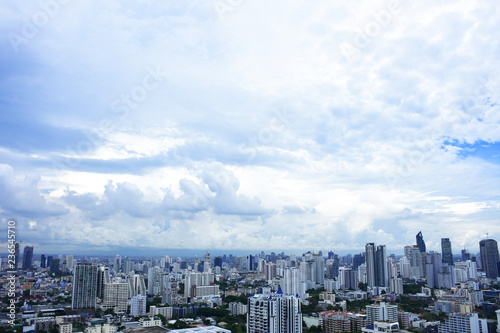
pixel 486 235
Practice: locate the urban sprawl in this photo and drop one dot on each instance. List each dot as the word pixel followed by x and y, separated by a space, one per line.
pixel 372 291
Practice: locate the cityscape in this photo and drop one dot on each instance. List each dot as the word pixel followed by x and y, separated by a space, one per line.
pixel 370 291
pixel 285 166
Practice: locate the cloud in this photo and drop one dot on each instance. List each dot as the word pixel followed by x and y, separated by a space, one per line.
pixel 259 133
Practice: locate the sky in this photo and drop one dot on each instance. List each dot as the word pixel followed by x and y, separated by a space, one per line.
pixel 136 126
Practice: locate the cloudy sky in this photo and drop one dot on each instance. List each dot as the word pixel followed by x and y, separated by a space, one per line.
pixel 250 125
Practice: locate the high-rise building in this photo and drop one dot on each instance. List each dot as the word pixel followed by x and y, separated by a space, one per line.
pixel 250 262
pixel 155 279
pixel 117 263
pixel 488 249
pixel 433 266
pixel 218 261
pixel 376 267
pixel 274 313
pixel 136 284
pixel 54 265
pixel 270 271
pixel 138 305
pixel 49 258
pixel 420 242
pixel 446 251
pixel 319 269
pixel 115 297
pixel 69 262
pixel 292 282
pixel 416 264
pixel 102 278
pixel 43 261
pixel 381 312
pixel 84 286
pixel 27 257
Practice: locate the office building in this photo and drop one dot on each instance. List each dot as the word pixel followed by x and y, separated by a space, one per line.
pixel 27 257
pixel 376 267
pixel 488 249
pixel 43 261
pixel 274 313
pixel 420 242
pixel 102 278
pixel 446 251
pixel 55 265
pixel 84 286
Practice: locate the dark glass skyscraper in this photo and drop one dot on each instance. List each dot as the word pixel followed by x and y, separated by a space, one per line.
pixel 420 242
pixel 446 250
pixel 27 257
pixel 43 261
pixel 488 248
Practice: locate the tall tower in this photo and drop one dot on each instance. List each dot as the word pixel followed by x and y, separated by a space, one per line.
pixel 488 248
pixel 84 286
pixel 381 276
pixel 446 250
pixel 102 278
pixel 27 257
pixel 420 242
pixel 370 264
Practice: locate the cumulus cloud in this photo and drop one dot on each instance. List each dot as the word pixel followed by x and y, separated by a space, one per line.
pixel 175 122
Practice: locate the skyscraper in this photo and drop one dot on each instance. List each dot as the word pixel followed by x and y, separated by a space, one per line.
pixel 420 242
pixel 488 248
pixel 27 257
pixel 446 251
pixel 84 286
pixel 43 261
pixel 376 268
pixel 102 278
pixel 54 265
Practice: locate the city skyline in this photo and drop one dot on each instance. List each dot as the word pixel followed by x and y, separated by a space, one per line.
pixel 253 126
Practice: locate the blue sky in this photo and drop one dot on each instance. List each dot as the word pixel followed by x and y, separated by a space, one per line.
pixel 249 125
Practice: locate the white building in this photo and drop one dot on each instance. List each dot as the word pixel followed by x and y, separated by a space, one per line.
pixel 378 327
pixel 138 305
pixel 65 328
pixel 115 297
pixel 464 323
pixel 274 313
pixel 237 308
pixel 149 322
pixel 382 313
pixel 105 328
pixel 164 311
